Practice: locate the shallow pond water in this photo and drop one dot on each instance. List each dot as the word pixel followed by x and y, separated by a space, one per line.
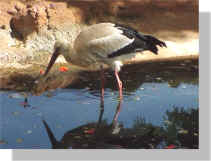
pixel 159 110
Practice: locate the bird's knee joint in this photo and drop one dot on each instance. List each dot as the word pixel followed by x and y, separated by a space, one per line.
pixel 120 83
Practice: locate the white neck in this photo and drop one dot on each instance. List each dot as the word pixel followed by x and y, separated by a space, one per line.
pixel 66 50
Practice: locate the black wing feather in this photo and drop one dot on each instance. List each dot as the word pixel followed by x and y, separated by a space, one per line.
pixel 140 43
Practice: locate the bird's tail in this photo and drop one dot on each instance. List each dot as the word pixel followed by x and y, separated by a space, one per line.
pixel 152 43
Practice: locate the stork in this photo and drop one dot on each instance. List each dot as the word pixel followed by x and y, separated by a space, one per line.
pixel 105 43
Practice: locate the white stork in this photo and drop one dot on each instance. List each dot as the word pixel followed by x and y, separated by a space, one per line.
pixel 105 43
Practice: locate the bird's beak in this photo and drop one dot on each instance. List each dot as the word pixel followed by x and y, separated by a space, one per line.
pixel 53 59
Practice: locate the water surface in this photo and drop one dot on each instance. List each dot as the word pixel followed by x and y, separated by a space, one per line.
pixel 159 110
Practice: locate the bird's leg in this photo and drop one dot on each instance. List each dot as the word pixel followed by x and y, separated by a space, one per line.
pixel 102 83
pixel 119 83
pixel 115 125
pixel 101 113
pixel 117 111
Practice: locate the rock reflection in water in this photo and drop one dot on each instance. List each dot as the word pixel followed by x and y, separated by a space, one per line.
pixel 182 127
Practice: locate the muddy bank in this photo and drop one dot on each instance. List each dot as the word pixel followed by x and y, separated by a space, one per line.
pixel 34 83
pixel 29 29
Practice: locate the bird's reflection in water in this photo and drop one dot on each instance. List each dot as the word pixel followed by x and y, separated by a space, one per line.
pixel 25 103
pixel 101 135
pixel 180 131
pixel 89 136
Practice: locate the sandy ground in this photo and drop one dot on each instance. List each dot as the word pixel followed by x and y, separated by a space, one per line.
pixel 29 29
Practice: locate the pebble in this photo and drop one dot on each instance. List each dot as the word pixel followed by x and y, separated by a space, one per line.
pixel 52 6
pixel 19 140
pixel 3 26
pixel 184 87
pixel 167 122
pixel 182 131
pixel 16 95
pixel 29 131
pixel 159 78
pixel 59 126
pixel 16 113
pixel 39 114
pixel 12 12
pixel 137 98
pixel 3 142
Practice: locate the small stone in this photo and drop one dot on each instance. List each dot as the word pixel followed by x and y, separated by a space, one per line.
pixel 137 98
pixel 16 113
pixel 12 12
pixel 39 114
pixel 3 142
pixel 17 7
pixel 28 6
pixel 187 61
pixel 182 131
pixel 167 122
pixel 19 140
pixel 11 44
pixel 158 78
pixel 49 94
pixel 29 131
pixel 3 27
pixel 77 137
pixel 85 102
pixel 184 87
pixel 52 6
pixel 112 93
pixel 58 126
pixel 15 95
pixel 36 81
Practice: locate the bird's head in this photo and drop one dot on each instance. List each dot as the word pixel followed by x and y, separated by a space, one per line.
pixel 60 48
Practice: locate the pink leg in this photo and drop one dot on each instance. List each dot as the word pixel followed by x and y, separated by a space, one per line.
pixel 118 109
pixel 102 83
pixel 119 83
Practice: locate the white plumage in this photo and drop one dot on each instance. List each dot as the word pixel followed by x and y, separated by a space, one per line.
pixel 105 43
pixel 114 41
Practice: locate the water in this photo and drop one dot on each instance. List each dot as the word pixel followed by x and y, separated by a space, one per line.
pixel 143 119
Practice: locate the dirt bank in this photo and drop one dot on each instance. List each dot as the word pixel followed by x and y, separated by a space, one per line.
pixel 29 29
